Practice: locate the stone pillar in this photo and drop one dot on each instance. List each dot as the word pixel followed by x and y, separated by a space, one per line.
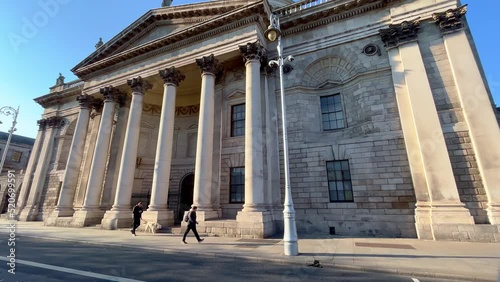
pixel 476 105
pixel 30 211
pixel 427 153
pixel 26 185
pixel 120 214
pixel 91 213
pixel 254 219
pixel 64 206
pixel 202 195
pixel 157 211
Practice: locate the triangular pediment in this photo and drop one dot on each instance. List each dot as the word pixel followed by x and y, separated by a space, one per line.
pixel 159 27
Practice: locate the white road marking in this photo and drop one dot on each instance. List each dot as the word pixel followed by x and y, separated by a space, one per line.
pixel 415 280
pixel 72 271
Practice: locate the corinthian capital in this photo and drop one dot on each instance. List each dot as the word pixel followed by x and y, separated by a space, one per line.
pixel 113 94
pixel 398 34
pixel 42 123
pixel 172 75
pixel 252 51
pixel 211 65
pixel 55 121
pixel 139 85
pixel 86 101
pixel 451 20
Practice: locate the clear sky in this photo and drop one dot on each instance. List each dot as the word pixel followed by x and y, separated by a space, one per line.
pixel 41 38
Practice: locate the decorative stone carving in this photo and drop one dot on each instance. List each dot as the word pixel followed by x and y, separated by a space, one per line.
pixel 187 110
pixel 112 94
pixel 451 20
pixel 398 34
pixel 211 65
pixel 287 68
pixel 172 75
pixel 86 101
pixel 139 85
pixel 55 121
pixel 42 123
pixel 371 49
pixel 166 3
pixel 252 51
pixel 151 109
pixel 99 43
pixel 60 79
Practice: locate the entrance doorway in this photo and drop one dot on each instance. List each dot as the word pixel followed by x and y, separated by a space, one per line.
pixel 186 200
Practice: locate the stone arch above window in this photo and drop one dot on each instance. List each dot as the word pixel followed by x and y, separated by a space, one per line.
pixel 328 71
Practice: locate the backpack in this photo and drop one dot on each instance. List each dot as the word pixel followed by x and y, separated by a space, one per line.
pixel 186 217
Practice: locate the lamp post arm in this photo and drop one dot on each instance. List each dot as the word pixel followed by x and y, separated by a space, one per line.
pixel 8 111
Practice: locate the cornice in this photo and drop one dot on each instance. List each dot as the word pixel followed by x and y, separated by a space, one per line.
pixel 72 89
pixel 225 14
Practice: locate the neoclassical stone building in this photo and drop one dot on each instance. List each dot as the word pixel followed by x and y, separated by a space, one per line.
pixel 391 124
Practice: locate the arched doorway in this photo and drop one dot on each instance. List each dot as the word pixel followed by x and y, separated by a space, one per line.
pixel 186 199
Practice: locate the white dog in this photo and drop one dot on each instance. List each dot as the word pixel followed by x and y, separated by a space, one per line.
pixel 152 226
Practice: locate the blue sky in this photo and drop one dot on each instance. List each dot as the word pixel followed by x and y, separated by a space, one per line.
pixel 41 38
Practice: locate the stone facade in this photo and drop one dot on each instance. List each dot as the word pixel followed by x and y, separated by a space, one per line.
pixel 385 135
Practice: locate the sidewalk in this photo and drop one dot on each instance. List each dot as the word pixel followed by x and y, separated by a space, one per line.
pixel 452 260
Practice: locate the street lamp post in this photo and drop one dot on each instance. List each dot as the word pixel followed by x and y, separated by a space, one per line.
pixel 9 111
pixel 290 230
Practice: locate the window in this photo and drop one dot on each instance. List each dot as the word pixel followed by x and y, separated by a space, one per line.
pixel 238 120
pixel 237 185
pixel 339 181
pixel 16 156
pixel 332 115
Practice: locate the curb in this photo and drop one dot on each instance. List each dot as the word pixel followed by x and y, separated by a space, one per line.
pixel 299 260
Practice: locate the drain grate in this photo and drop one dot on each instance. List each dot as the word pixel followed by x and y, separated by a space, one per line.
pixel 381 245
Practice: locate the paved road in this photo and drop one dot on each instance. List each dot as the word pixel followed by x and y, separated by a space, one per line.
pixel 56 261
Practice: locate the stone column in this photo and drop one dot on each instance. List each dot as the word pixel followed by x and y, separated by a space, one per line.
pixel 120 214
pixel 427 153
pixel 91 213
pixel 254 219
pixel 30 211
pixel 26 185
pixel 476 105
pixel 210 69
pixel 157 211
pixel 64 206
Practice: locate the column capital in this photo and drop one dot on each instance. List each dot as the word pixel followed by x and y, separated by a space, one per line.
pixel 55 122
pixel 210 64
pixel 253 51
pixel 450 20
pixel 42 123
pixel 112 94
pixel 398 34
pixel 138 84
pixel 172 75
pixel 86 101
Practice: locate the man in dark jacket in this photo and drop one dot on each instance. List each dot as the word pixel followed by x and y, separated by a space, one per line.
pixel 137 213
pixel 192 225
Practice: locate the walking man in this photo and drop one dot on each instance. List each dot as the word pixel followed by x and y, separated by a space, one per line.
pixel 137 213
pixel 191 216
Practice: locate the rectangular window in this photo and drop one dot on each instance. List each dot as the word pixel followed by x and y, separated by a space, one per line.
pixel 332 115
pixel 238 120
pixel 237 185
pixel 16 156
pixel 339 181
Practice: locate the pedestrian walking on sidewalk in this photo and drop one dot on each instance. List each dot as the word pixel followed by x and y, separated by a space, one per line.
pixel 191 220
pixel 137 215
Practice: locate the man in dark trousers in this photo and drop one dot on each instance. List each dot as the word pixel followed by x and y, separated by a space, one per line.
pixel 192 225
pixel 137 213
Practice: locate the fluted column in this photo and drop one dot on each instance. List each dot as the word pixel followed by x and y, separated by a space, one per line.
pixel 254 144
pixel 90 212
pixel 157 210
pixel 119 215
pixel 26 185
pixel 65 203
pixel 477 107
pixel 210 69
pixel 429 159
pixel 30 211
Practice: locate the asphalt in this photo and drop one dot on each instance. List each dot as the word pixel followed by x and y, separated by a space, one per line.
pixel 437 259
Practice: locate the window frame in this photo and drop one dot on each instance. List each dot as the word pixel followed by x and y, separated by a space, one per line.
pixel 232 121
pixel 345 180
pixel 17 160
pixel 241 185
pixel 342 111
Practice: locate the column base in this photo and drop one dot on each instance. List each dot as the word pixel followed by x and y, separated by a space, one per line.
pixel 114 219
pixel 258 224
pixel 205 215
pixel 60 216
pixel 493 212
pixel 450 213
pixel 29 213
pixel 423 221
pixel 87 217
pixel 162 217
